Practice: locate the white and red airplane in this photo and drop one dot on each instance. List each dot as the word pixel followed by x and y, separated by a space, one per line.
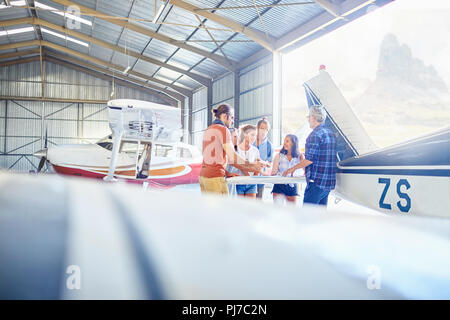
pixel 144 147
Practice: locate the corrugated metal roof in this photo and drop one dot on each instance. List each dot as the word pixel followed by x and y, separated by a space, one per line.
pixel 143 9
pixel 50 16
pixel 160 49
pixel 123 60
pixel 187 82
pixel 89 3
pixel 186 58
pixel 177 24
pixel 145 67
pixel 114 8
pixel 179 16
pixel 100 52
pixel 19 37
pixel 106 31
pixel 133 40
pixel 169 74
pixel 293 17
pixel 13 13
pixel 210 68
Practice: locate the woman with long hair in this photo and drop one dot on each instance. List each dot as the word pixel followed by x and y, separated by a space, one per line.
pixel 288 157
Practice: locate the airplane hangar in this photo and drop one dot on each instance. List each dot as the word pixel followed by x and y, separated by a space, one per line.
pixel 57 74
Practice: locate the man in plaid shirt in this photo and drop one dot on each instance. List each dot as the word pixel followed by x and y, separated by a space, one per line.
pixel 320 159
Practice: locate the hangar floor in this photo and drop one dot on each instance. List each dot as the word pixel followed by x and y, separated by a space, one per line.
pixel 334 203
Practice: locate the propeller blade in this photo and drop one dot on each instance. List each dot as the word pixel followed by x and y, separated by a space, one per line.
pixel 46 138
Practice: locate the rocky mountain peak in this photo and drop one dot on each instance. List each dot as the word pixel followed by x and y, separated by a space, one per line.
pixel 396 63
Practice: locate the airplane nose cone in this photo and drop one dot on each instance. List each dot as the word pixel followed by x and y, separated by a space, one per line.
pixel 40 153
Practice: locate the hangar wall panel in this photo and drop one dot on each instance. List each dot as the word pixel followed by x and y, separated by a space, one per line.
pixel 223 90
pixel 186 121
pixel 65 123
pixel 255 97
pixel 199 115
pixel 256 93
pixel 2 108
pixel 68 83
pixel 30 76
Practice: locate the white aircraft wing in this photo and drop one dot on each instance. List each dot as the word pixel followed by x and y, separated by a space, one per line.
pixel 123 242
pixel 143 120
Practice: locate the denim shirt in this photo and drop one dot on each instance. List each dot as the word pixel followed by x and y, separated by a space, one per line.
pixel 265 150
pixel 217 121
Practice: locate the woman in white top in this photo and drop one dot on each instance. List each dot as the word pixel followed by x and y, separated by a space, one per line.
pixel 248 152
pixel 288 157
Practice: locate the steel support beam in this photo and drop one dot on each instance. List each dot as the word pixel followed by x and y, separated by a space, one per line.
pixel 190 125
pixel 332 8
pixel 19 54
pixel 42 72
pixel 6 126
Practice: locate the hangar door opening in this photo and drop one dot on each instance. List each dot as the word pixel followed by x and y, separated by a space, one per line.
pixel 391 65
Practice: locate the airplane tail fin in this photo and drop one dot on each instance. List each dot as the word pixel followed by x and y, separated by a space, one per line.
pixel 352 138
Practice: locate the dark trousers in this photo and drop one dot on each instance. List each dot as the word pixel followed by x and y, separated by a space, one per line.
pixel 315 195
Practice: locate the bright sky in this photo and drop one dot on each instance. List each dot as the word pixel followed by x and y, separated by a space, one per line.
pixel 423 25
pixel 351 55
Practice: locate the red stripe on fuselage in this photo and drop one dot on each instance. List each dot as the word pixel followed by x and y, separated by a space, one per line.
pixel 191 177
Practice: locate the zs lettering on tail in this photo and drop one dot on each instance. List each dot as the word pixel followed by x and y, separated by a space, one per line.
pixel 404 204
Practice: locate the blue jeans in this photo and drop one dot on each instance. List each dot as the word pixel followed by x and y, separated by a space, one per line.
pixel 246 189
pixel 315 195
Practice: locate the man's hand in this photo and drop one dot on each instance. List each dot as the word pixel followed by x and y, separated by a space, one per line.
pixel 231 175
pixel 257 166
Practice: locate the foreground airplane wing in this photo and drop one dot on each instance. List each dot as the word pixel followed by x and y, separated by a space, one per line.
pixel 68 238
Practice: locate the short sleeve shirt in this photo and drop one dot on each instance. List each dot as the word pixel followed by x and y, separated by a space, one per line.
pixel 250 155
pixel 265 150
pixel 320 149
pixel 214 156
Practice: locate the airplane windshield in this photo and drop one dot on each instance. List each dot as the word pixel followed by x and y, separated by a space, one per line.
pixel 105 144
pixel 159 150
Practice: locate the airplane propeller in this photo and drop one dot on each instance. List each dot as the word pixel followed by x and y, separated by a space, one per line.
pixel 42 153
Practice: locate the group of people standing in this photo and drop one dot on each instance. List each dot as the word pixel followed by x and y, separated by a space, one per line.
pixel 228 153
